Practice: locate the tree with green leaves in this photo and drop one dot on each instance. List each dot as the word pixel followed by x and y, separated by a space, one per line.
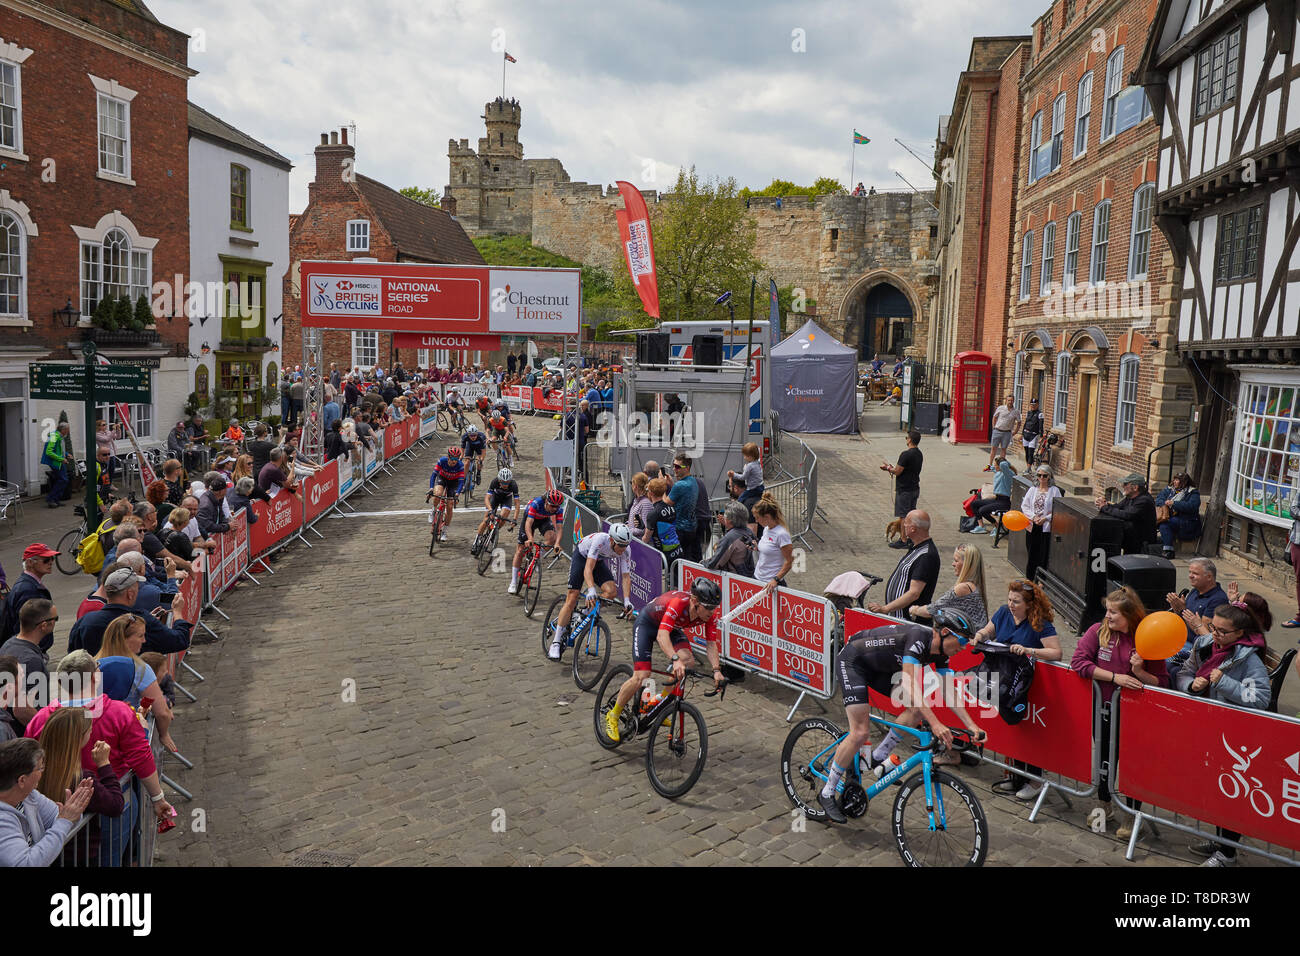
pixel 824 186
pixel 429 197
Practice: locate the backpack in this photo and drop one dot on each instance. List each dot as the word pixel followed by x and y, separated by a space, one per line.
pixel 1006 678
pixel 90 550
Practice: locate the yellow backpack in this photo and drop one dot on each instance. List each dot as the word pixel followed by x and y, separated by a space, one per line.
pixel 90 553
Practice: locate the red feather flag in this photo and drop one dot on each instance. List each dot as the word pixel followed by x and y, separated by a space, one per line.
pixel 638 247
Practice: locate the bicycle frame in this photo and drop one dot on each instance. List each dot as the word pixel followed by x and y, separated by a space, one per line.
pixel 923 758
pixel 647 720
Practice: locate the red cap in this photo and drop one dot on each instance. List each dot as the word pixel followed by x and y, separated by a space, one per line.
pixel 38 550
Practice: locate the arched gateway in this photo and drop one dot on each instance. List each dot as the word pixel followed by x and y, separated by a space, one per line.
pixel 878 314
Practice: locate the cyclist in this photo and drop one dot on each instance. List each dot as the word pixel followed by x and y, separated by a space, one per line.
pixel 475 444
pixel 445 482
pixel 537 520
pixel 453 404
pixel 874 658
pixel 501 429
pixel 483 405
pixel 594 562
pixel 664 621
pixel 501 494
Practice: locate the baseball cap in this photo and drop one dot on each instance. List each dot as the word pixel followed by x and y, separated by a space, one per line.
pixel 38 550
pixel 123 579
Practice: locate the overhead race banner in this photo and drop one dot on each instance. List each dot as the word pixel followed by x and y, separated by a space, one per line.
pixel 412 340
pixel 434 300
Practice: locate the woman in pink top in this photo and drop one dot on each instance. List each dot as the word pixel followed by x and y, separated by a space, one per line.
pixel 1107 653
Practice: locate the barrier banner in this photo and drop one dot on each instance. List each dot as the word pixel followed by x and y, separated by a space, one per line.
pixel 187 605
pixel 211 579
pixel 394 440
pixel 239 557
pixel 320 492
pixel 554 402
pixel 803 636
pixel 277 521
pixel 412 425
pixel 470 391
pixel 1235 768
pixel 346 482
pixel 749 638
pixel 525 397
pixel 645 572
pixel 687 573
pixel 428 421
pixel 371 459
pixel 231 556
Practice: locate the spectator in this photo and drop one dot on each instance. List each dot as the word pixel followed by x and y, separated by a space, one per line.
pixel 174 479
pixel 65 734
pixel 259 449
pixel 122 588
pixel 736 492
pixel 684 493
pixel 1001 500
pixel 151 544
pixel 775 547
pixel 196 430
pixel 127 533
pixel 637 515
pixel 56 457
pixel 1107 653
pixel 917 573
pixel 1293 550
pixel 129 679
pixel 662 519
pixel 1178 513
pixel 898 368
pixel 1037 507
pixel 751 473
pixel 1024 623
pixel 351 396
pixel 365 433
pixel 1031 431
pixel 1204 597
pixel 334 375
pixel 295 401
pixel 652 470
pixel 243 468
pixel 967 595
pixel 129 749
pixel 1005 419
pixel 150 597
pixel 38 561
pixel 211 516
pixel 286 403
pixel 273 477
pixel 335 445
pixel 36 627
pixel 97 600
pixel 235 433
pixel 895 396
pixel 243 495
pixel 117 513
pixel 735 552
pixel 1138 512
pixel 177 441
pixel 177 541
pixel 32 826
pixel 13 698
pixel 156 495
pixel 907 479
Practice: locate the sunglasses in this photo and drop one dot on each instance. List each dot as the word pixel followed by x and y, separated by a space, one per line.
pixel 50 620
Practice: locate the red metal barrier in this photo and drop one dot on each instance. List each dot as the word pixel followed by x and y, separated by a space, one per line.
pixel 320 491
pixel 277 521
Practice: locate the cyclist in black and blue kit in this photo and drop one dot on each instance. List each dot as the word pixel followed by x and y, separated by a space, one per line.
pixel 475 444
pixel 538 519
pixel 446 481
pixel 501 494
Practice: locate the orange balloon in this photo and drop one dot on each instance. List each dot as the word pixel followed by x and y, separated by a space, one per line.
pixel 1160 634
pixel 1015 521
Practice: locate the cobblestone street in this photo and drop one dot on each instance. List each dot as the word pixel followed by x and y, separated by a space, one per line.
pixel 459 724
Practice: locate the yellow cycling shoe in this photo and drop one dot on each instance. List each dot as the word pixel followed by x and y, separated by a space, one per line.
pixel 611 726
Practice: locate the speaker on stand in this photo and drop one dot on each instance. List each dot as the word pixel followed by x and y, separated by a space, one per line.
pixel 706 349
pixel 652 348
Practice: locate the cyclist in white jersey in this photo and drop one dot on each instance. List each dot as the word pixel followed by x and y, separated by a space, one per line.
pixel 591 567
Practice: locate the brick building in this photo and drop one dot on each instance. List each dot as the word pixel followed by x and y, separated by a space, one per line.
pixel 93 203
pixel 351 216
pixel 977 156
pixel 1093 298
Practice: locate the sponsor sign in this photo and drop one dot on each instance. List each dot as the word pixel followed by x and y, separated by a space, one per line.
pixel 187 605
pixel 534 300
pixel 554 402
pixel 412 340
pixel 688 573
pixel 428 421
pixel 470 391
pixel 238 551
pixel 320 491
pixel 395 440
pixel 277 521
pixel 346 481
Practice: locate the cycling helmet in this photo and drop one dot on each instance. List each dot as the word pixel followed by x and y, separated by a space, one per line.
pixel 706 592
pixel 946 618
pixel 496 413
pixel 472 430
pixel 505 474
pixel 620 534
pixel 554 499
pixel 455 451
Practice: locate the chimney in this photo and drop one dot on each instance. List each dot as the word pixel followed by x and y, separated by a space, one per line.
pixel 343 131
pixel 334 169
pixel 449 204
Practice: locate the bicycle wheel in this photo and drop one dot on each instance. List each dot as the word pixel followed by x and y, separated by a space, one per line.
pixel 69 547
pixel 675 755
pixel 806 740
pixel 548 625
pixel 435 527
pixel 591 655
pixel 488 549
pixel 963 839
pixel 605 699
pixel 444 423
pixel 533 589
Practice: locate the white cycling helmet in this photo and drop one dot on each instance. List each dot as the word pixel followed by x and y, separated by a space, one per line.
pixel 620 534
pixel 472 430
pixel 505 474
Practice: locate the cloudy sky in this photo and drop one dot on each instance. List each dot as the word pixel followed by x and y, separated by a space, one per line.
pixel 616 90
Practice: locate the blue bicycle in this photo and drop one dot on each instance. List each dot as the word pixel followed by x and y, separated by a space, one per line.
pixel 588 635
pixel 937 819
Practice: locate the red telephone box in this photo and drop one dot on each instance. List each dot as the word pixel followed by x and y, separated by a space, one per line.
pixel 972 376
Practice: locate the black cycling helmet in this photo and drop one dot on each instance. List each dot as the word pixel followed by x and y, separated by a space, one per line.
pixel 706 592
pixel 945 618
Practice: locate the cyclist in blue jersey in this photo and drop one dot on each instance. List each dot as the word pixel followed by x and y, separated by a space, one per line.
pixel 538 519
pixel 475 444
pixel 596 559
pixel 445 482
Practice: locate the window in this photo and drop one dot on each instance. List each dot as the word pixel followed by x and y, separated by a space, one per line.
pixel 1069 11
pixel 239 196
pixel 464 176
pixel 13 270
pixel 11 107
pixel 1140 242
pixel 1072 227
pixel 422 358
pixel 245 310
pixel 1035 140
pixel 113 268
pixel 1049 258
pixel 1019 387
pixel 442 358
pixel 114 136
pixel 359 235
pixel 365 349
pixel 1114 83
pixel 1266 442
pixel 1126 413
pixel 1061 402
pixel 1216 73
pixel 1082 112
pixel 1058 131
pixel 1047 27
pixel 141 419
pixel 1026 265
pixel 1100 241
pixel 1238 253
pixel 835 239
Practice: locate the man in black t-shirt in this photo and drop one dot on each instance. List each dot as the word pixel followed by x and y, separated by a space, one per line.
pixel 260 448
pixel 907 479
pixel 914 579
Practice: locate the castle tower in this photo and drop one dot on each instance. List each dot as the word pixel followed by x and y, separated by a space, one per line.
pixel 502 140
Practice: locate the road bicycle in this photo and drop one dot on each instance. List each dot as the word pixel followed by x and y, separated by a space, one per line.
pixel 473 478
pixel 677 742
pixel 505 458
pixel 485 545
pixel 530 576
pixel 452 418
pixel 438 518
pixel 69 546
pixel 936 819
pixel 589 637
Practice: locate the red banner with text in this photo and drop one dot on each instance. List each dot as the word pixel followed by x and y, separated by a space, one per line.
pixel 277 521
pixel 320 491
pixel 552 402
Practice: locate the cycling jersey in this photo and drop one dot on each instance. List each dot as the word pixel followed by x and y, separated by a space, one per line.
pixel 500 427
pixel 503 493
pixel 663 519
pixel 872 657
pixel 541 516
pixel 475 443
pixel 599 546
pixel 445 474
pixel 501 406
pixel 484 404
pixel 671 612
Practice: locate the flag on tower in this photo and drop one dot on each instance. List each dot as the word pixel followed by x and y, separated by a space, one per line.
pixel 511 58
pixel 859 139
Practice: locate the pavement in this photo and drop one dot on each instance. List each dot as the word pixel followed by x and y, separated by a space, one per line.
pixel 378 706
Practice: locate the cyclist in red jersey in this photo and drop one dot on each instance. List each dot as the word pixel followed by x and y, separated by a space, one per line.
pixel 664 621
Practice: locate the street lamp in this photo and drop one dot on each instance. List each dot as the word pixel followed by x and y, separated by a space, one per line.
pixel 68 314
pixel 205 348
